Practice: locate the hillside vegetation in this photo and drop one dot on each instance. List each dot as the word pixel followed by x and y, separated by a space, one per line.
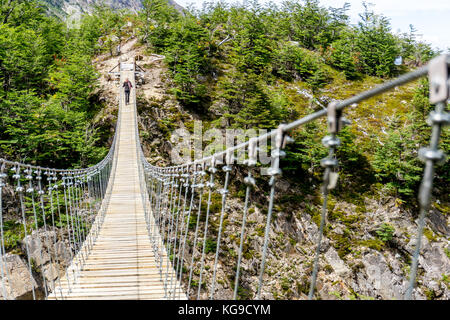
pixel 51 100
pixel 247 66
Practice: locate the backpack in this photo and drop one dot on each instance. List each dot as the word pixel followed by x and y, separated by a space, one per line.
pixel 127 85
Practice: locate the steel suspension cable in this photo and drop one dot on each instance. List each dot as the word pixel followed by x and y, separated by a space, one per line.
pixel 250 183
pixel 31 190
pixel 201 186
pixel 19 189
pixel 44 218
pixel 3 264
pixel 168 227
pixel 431 155
pixel 50 191
pixel 170 245
pixel 181 221
pixel 210 186
pixel 166 205
pixel 227 169
pixel 175 234
pixel 335 124
pixel 273 172
pixel 193 186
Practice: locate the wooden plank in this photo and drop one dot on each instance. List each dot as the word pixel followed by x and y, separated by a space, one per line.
pixel 121 263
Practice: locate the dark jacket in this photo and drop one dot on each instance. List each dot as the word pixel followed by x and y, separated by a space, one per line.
pixel 127 85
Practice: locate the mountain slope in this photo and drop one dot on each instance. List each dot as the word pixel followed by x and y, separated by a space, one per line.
pixel 64 8
pixel 73 8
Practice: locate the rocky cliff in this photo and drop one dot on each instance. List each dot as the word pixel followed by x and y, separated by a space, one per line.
pixel 65 8
pixel 74 8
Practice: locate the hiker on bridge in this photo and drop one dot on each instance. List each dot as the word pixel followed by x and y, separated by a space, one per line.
pixel 127 85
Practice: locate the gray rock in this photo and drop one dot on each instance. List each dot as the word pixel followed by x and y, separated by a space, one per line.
pixel 362 286
pixel 328 292
pixel 338 230
pixel 63 253
pixel 282 185
pixel 434 261
pixel 438 222
pixel 36 249
pixel 379 277
pixel 266 295
pixel 339 267
pixel 310 230
pixel 52 272
pixel 18 282
pixel 299 234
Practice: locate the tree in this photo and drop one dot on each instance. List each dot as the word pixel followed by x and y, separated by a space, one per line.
pixel 22 61
pixel 370 48
pixel 312 25
pixel 156 17
pixel 376 45
pixel 292 62
pixel 252 48
pixel 48 81
pixel 248 103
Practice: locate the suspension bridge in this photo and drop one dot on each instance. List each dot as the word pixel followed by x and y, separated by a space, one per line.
pixel 128 224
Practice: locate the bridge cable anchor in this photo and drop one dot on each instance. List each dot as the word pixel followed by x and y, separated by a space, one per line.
pixel 335 123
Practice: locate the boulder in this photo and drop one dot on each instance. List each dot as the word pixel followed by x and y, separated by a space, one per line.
pixel 339 267
pixel 36 249
pixel 434 261
pixel 282 185
pixel 438 222
pixel 17 280
pixel 380 280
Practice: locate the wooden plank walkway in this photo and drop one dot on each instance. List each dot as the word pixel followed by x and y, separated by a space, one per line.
pixel 121 264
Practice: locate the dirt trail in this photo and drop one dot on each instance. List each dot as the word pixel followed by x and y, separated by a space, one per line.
pixel 152 64
pixel 151 91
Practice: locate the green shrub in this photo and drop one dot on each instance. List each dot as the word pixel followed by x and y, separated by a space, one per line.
pixel 210 246
pixel 429 234
pixel 292 62
pixel 385 232
pixel 396 163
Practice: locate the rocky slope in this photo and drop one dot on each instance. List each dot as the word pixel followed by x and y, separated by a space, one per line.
pixel 360 259
pixel 74 8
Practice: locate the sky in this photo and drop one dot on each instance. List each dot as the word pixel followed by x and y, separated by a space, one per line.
pixel 431 18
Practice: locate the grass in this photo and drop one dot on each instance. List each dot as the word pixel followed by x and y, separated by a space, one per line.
pixel 375 244
pixel 430 235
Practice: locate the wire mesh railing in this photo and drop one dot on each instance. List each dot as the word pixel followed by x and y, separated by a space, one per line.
pixel 51 218
pixel 179 198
